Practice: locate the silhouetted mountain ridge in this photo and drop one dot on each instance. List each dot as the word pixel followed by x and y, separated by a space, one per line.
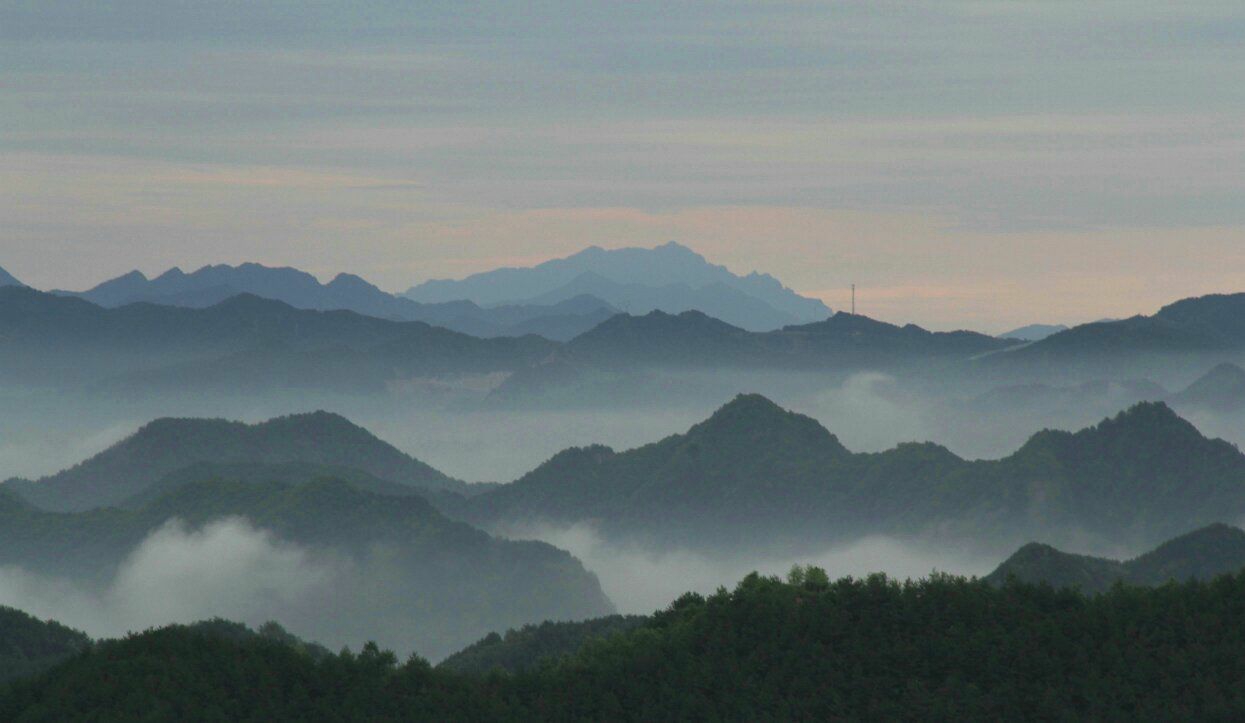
pixel 1203 554
pixel 1199 325
pixel 68 341
pixel 753 471
pixel 212 285
pixel 670 278
pixel 165 446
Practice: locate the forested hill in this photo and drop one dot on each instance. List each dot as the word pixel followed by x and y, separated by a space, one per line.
pixel 807 649
pixel 29 645
pixel 1202 554
pixel 755 474
pixel 535 645
pixel 401 572
pixel 166 445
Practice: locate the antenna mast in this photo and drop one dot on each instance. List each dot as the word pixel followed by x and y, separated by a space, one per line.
pixel 853 299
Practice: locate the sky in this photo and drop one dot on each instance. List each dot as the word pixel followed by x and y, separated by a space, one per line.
pixel 966 164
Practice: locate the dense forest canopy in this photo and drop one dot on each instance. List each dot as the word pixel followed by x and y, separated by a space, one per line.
pixel 801 649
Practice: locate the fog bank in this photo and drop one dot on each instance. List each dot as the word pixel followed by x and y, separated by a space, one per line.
pixel 641 581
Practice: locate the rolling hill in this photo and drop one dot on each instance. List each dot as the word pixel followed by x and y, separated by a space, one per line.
pixel 1204 554
pixel 166 446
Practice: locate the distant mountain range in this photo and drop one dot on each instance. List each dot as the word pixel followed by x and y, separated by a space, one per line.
pixel 1202 325
pixel 669 278
pixel 558 300
pixel 212 285
pixel 254 345
pixel 1034 332
pixel 695 341
pixel 1204 554
pixel 755 475
pixel 751 475
pixel 317 444
pixel 243 343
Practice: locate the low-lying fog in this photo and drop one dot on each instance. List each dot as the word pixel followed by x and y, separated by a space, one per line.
pixel 230 569
pixel 641 581
pixel 227 569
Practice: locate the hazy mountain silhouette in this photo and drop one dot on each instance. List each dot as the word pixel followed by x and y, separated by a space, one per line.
pixel 691 338
pixel 721 300
pixel 7 279
pixel 611 359
pixel 60 340
pixel 1203 554
pixel 1213 323
pixel 754 474
pixel 1222 389
pixel 165 446
pixel 1034 332
pixel 671 278
pixel 212 285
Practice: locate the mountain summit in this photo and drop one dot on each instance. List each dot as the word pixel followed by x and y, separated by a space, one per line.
pixel 670 278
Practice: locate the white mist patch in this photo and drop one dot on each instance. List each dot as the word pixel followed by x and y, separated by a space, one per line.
pixel 642 580
pixel 227 569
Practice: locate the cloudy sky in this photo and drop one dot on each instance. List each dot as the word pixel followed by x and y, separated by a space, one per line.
pixel 979 164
